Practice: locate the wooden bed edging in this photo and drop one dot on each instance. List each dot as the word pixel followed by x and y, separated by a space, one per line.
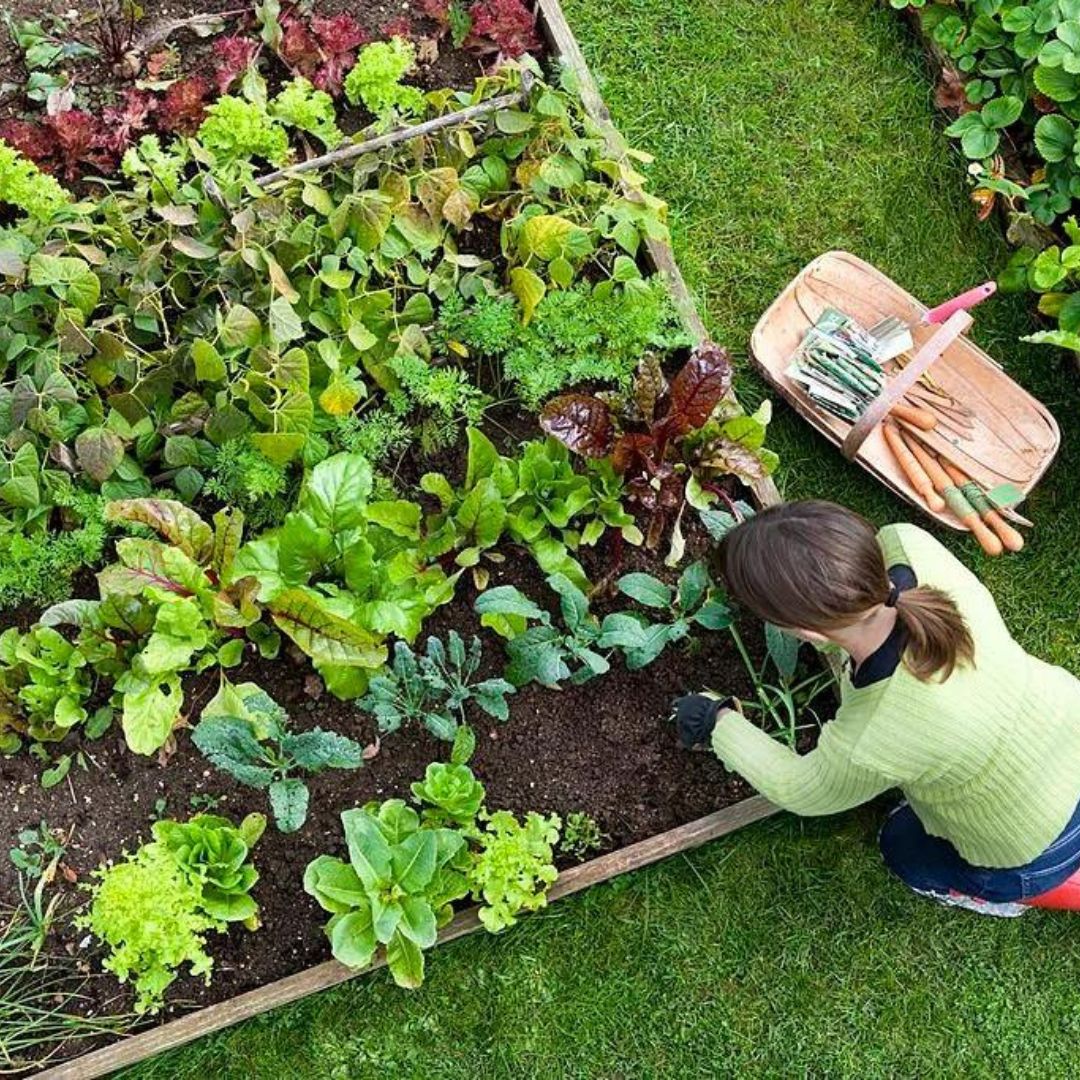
pixel 176 1033
pixel 186 1029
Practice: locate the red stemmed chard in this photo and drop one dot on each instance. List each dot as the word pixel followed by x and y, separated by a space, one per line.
pixel 644 436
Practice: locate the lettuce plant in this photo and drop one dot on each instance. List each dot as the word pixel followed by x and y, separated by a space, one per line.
pixel 45 682
pixel 149 914
pixel 434 688
pixel 395 891
pixel 154 909
pixel 514 866
pixel 244 732
pixel 26 188
pixel 236 130
pixel 213 853
pixel 300 105
pixel 375 81
pixel 640 638
pixel 450 793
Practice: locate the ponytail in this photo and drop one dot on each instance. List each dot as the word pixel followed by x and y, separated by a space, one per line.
pixel 816 566
pixel 938 639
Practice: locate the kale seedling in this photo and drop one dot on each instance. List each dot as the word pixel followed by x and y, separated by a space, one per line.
pixel 38 851
pixel 544 653
pixel 642 640
pixel 256 748
pixel 432 689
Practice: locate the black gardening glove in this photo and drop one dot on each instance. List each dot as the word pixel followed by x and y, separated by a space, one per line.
pixel 695 717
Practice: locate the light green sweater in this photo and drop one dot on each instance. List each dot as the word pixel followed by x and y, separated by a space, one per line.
pixel 989 759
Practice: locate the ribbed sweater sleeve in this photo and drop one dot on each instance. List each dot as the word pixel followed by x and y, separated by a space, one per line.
pixel 824 781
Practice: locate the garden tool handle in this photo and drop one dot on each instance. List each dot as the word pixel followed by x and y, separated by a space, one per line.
pixel 923 419
pixel 963 302
pixel 911 468
pixel 899 385
pixel 955 498
pixel 1009 537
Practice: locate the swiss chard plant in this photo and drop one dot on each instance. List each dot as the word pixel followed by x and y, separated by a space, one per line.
pixel 343 572
pixel 663 434
pixel 544 652
pixel 167 606
pixel 673 612
pixel 245 733
pixel 433 688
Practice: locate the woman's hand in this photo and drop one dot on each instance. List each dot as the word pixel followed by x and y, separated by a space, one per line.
pixel 695 717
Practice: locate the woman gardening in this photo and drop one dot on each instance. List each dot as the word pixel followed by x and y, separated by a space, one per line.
pixel 982 739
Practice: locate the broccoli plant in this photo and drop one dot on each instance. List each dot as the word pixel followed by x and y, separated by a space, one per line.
pixel 244 732
pixel 640 638
pixel 544 653
pixel 433 689
pixel 395 891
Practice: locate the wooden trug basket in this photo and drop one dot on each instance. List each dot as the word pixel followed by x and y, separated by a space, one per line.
pixel 1014 438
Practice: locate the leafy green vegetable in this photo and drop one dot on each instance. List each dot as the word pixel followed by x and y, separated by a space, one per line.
pixel 514 867
pixel 25 187
pixel 450 793
pixel 301 106
pixel 642 640
pixel 375 81
pixel 236 130
pixel 543 653
pixel 395 891
pixel 149 913
pixel 244 732
pixel 434 688
pixel 46 679
pixel 212 853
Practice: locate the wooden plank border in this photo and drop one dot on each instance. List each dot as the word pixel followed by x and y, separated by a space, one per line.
pixel 175 1033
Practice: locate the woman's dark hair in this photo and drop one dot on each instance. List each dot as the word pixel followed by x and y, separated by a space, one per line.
pixel 817 566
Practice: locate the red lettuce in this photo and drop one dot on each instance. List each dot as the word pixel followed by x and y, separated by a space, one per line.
pixel 650 460
pixel 338 36
pixel 33 140
pixel 233 55
pixel 298 48
pixel 183 106
pixel 401 27
pixel 123 122
pixel 505 26
pixel 81 140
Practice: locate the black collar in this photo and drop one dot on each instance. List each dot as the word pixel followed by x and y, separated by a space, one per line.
pixel 885 659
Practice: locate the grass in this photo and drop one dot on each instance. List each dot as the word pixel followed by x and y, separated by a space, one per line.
pixel 781 128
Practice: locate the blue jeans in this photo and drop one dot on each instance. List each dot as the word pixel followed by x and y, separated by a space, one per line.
pixel 930 864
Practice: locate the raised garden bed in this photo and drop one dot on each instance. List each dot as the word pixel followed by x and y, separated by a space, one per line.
pixel 605 748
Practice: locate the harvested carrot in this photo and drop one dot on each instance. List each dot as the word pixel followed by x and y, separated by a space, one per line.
pixel 954 497
pixel 915 473
pixel 1008 536
pixel 920 418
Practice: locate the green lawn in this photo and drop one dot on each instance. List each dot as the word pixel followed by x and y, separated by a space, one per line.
pixel 781 128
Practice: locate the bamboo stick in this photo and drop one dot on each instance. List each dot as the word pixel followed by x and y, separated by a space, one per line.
pixel 399 135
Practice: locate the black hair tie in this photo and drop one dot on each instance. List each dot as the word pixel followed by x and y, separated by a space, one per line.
pixel 894 595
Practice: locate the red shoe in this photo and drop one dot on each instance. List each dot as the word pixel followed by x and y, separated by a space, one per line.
pixel 1065 897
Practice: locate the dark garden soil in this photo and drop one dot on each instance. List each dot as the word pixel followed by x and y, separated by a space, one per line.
pixel 607 748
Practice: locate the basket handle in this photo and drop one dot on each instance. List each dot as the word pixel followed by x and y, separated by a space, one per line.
pixel 896 388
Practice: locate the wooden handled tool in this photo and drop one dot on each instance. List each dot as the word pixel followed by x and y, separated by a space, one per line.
pixel 915 473
pixel 920 418
pixel 954 497
pixel 974 494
